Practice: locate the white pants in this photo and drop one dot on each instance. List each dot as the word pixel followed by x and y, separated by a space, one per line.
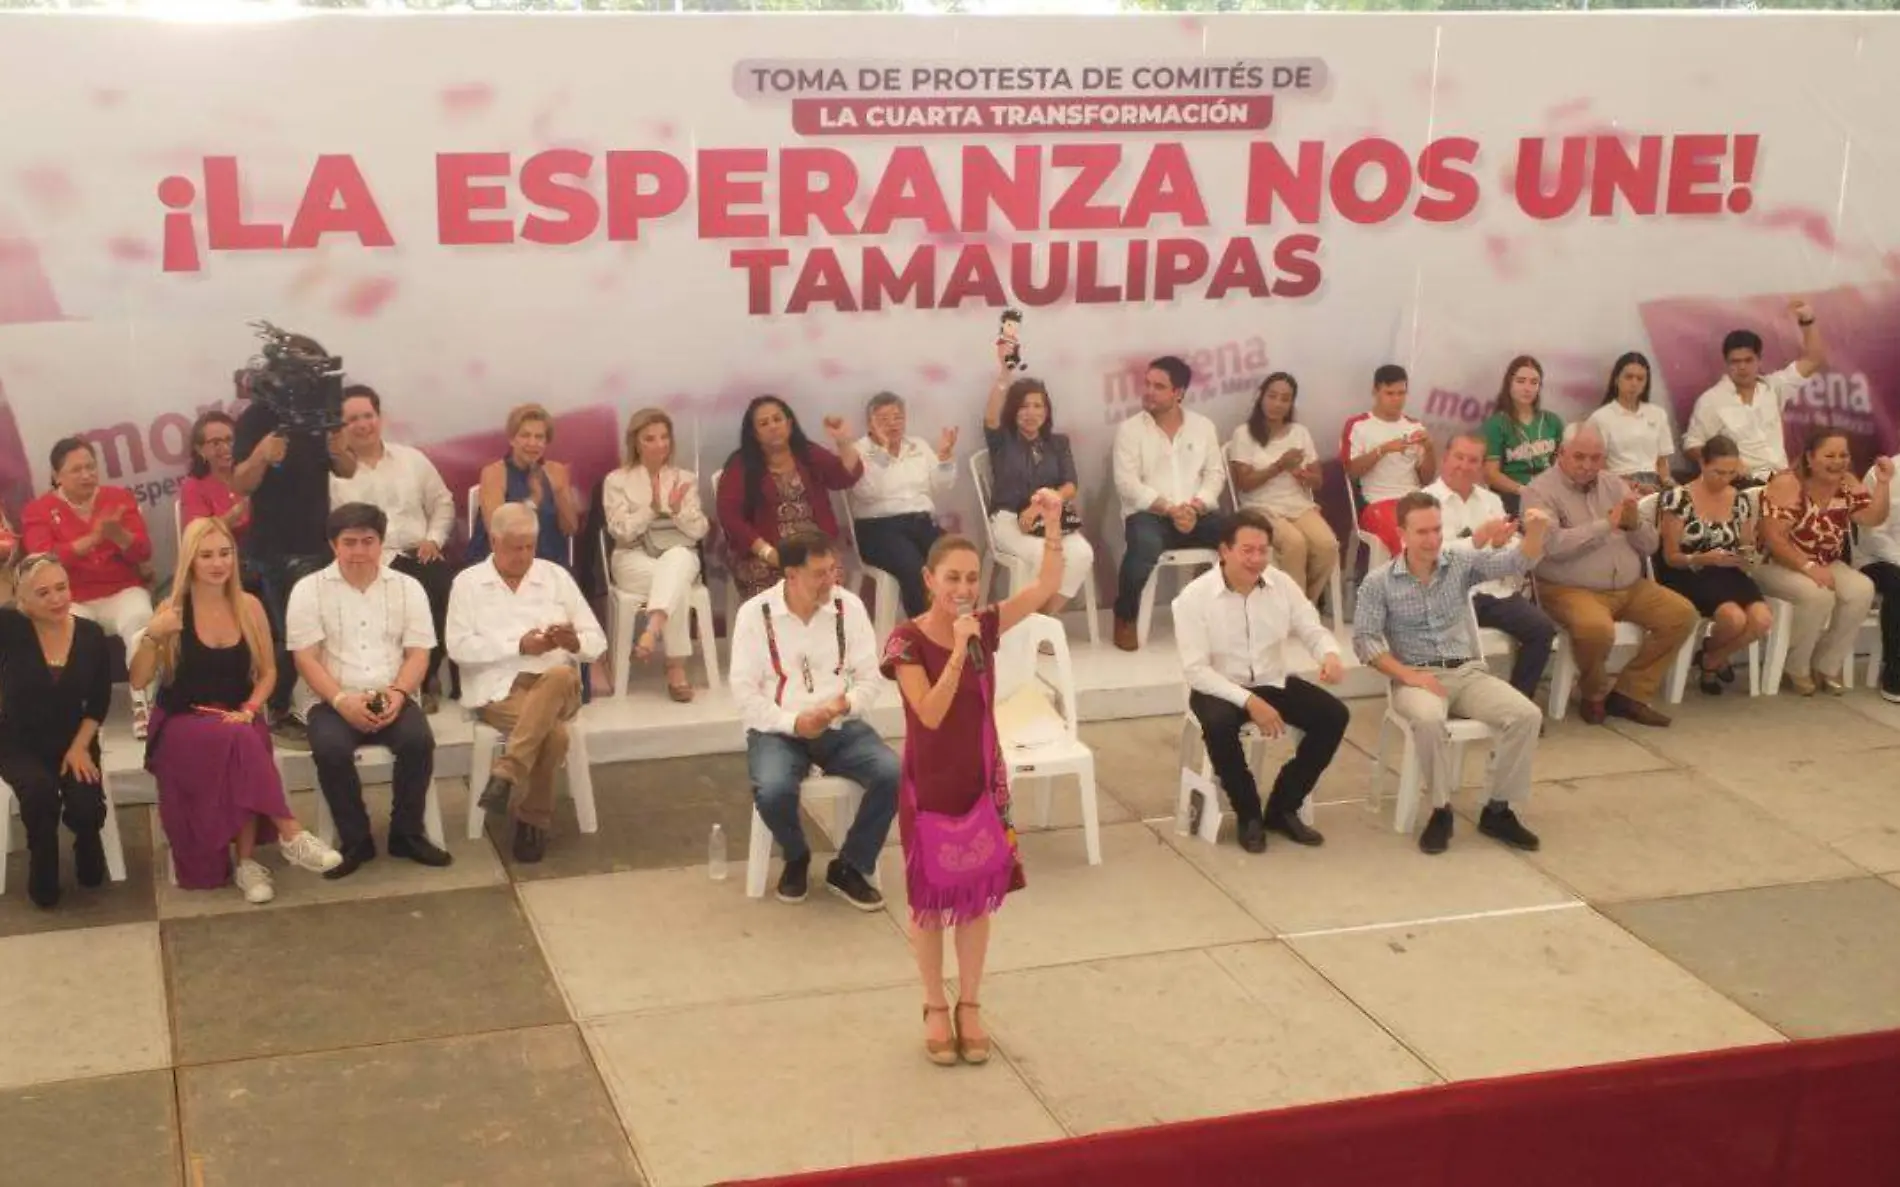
pixel 1827 622
pixel 123 614
pixel 664 581
pixel 1078 556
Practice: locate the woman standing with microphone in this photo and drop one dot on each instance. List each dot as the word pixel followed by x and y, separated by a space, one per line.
pixel 960 857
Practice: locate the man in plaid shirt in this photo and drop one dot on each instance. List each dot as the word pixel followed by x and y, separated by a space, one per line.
pixel 1414 624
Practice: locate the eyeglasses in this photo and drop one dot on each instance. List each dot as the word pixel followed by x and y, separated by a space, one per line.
pixel 217 441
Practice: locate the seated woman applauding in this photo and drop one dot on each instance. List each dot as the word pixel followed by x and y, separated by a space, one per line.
pixel 1807 514
pixel 210 749
pixel 99 537
pixel 1705 526
pixel 777 484
pixel 654 517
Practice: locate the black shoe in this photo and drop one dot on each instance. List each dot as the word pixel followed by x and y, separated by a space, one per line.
pixel 1499 822
pixel 352 861
pixel 791 880
pixel 288 732
pixel 1890 690
pixel 531 843
pixel 89 859
pixel 496 794
pixel 42 875
pixel 1252 835
pixel 1710 683
pixel 1437 835
pixel 1726 673
pixel 1290 826
pixel 843 880
pixel 420 850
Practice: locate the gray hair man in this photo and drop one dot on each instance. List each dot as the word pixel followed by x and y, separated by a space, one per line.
pixel 516 626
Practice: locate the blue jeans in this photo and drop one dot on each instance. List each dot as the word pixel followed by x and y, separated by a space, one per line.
pixel 1149 535
pixel 778 763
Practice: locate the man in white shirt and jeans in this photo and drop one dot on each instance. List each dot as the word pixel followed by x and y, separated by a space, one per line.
pixel 1472 519
pixel 1229 624
pixel 406 485
pixel 1746 406
pixel 1169 472
pixel 516 626
pixel 361 635
pixel 804 673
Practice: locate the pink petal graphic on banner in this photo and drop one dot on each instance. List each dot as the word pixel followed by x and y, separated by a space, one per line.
pixel 1568 110
pixel 614 383
pixel 832 369
pixel 307 279
pixel 26 294
pixel 606 281
pixel 1502 256
pixel 129 249
pixel 1892 260
pixel 664 130
pixel 934 373
pixel 467 100
pixel 542 126
pixel 1814 225
pixel 367 297
pixel 108 97
pixel 49 187
pixel 813 331
pixel 476 369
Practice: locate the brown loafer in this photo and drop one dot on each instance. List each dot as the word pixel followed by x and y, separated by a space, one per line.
pixel 1125 636
pixel 1631 709
pixel 1593 712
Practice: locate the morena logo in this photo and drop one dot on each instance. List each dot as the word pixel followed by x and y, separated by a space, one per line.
pixel 1236 365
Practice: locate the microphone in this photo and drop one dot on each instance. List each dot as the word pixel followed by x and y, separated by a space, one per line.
pixel 974 645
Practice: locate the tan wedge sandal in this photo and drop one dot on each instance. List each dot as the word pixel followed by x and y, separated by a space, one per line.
pixel 972 1050
pixel 942 1052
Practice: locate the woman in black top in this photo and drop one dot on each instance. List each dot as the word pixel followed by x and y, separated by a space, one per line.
pixel 209 748
pixel 1028 455
pixel 55 688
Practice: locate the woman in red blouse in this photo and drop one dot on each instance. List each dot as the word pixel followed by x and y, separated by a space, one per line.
pixel 99 537
pixel 1807 515
pixel 207 491
pixel 776 483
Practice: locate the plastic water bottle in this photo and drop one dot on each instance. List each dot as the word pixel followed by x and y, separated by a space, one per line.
pixel 716 854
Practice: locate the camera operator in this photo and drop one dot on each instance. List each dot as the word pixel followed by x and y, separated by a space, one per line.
pixel 286 472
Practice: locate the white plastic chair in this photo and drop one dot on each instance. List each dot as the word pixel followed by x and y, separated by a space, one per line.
pixel 1376 553
pixel 1336 589
pixel 1020 572
pixel 1195 560
pixel 1194 751
pixel 377 756
pixel 1680 667
pixel 1461 731
pixel 580 776
pixel 1041 757
pixel 623 613
pixel 844 796
pixel 108 833
pixel 886 595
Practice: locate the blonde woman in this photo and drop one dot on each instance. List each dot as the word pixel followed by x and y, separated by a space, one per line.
pixel 210 747
pixel 654 515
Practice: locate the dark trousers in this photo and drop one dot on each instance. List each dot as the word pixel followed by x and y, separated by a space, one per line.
pixel 45 796
pixel 1886 579
pixel 1149 535
pixel 437 578
pixel 898 545
pixel 333 743
pixel 1318 714
pixel 1531 628
pixel 275 575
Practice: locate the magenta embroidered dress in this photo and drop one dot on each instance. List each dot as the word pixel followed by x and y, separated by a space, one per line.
pixel 946 769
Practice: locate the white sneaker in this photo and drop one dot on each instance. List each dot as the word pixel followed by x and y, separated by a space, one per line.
pixel 254 881
pixel 307 851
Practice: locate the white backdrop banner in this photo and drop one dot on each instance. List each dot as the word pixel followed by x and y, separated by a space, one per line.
pixel 604 213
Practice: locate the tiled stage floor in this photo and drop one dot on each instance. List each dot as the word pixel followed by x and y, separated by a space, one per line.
pixel 613 1016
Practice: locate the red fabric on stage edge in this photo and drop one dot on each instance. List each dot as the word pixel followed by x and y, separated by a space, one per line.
pixel 1823 1113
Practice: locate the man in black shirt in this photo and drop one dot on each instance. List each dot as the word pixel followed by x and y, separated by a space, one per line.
pixel 287 476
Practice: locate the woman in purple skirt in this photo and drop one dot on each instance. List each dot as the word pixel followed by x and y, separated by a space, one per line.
pixel 960 855
pixel 208 747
